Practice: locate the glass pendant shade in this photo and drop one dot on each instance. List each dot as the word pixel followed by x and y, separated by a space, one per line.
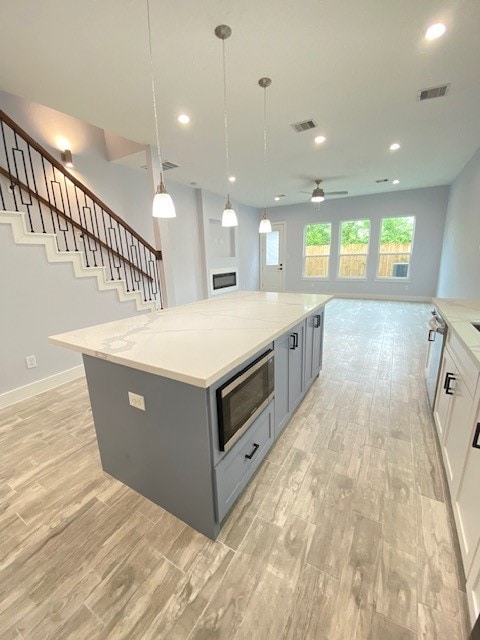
pixel 163 206
pixel 317 199
pixel 265 224
pixel 229 217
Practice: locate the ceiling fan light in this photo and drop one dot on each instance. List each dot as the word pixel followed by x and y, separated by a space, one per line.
pixel 318 195
pixel 229 217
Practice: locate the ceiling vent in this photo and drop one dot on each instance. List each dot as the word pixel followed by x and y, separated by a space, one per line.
pixel 169 165
pixel 305 125
pixel 381 180
pixel 433 92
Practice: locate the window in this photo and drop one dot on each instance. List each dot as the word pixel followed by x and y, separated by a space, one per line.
pixel 354 241
pixel 316 250
pixel 396 241
pixel 272 248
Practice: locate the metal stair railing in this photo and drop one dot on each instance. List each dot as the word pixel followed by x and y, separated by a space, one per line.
pixel 54 201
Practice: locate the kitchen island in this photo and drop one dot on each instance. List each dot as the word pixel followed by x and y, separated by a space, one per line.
pixel 164 440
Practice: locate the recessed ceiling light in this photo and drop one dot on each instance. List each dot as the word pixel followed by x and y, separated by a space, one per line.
pixel 394 146
pixel 435 31
pixel 320 139
pixel 279 196
pixel 183 118
pixel 232 179
pixel 395 181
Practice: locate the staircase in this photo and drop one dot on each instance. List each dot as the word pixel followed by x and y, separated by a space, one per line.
pixel 45 204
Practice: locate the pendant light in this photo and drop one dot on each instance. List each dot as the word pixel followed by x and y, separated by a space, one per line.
pixel 229 217
pixel 163 206
pixel 265 224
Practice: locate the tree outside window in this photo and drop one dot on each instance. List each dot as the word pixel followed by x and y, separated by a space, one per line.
pixel 396 242
pixel 354 243
pixel 316 250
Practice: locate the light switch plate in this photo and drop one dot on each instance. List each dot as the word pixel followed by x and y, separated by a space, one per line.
pixel 136 401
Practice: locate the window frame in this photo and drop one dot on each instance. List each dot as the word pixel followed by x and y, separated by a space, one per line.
pixel 396 253
pixel 322 255
pixel 340 254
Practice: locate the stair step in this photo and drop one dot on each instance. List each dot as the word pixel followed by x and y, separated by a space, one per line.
pixel 77 258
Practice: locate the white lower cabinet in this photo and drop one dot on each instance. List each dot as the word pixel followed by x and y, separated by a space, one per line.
pixel 467 498
pixel 473 588
pixel 443 400
pixel 457 418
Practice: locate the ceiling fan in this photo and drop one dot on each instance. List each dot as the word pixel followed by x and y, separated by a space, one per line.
pixel 318 194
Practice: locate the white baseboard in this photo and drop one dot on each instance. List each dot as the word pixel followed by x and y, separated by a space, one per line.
pixel 375 296
pixel 34 388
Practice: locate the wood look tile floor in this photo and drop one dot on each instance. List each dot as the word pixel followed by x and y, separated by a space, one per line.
pixel 343 534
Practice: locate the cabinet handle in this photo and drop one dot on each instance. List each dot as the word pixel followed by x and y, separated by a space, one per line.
pixel 250 456
pixel 292 341
pixel 476 437
pixel 430 333
pixel 448 390
pixel 316 322
pixel 447 379
pixel 296 339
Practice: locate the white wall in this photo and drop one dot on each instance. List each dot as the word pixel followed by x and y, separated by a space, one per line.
pixel 39 299
pixel 427 205
pixel 460 265
pixel 182 246
pixel 125 190
pixel 243 240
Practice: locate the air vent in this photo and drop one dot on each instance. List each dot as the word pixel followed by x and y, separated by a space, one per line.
pixel 381 180
pixel 433 92
pixel 304 126
pixel 169 165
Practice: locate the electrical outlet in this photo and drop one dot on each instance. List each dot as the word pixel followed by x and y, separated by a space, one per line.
pixel 31 362
pixel 136 401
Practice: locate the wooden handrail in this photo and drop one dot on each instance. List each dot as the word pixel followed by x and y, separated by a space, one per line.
pixel 73 222
pixel 13 125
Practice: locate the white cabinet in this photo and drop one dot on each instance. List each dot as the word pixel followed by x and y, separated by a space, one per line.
pixel 467 497
pixel 473 588
pixel 454 408
pixel 457 417
pixel 443 401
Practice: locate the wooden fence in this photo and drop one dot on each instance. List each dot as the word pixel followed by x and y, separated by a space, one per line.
pixel 353 265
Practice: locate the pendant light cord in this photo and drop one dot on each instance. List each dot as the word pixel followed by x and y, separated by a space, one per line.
pixel 265 146
pixel 227 159
pixel 154 92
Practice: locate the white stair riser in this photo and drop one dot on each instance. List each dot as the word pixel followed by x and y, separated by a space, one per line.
pixel 76 258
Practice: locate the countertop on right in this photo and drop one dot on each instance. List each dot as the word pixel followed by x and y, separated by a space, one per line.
pixel 459 314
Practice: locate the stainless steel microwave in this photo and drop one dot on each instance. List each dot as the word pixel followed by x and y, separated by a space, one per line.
pixel 243 398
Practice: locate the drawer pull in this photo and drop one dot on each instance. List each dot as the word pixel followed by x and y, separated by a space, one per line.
pixel 292 341
pixel 431 335
pixel 448 390
pixel 476 437
pixel 250 456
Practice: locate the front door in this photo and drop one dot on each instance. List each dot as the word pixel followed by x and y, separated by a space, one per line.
pixel 272 258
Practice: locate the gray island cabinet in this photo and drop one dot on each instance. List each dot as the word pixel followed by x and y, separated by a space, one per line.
pixel 170 451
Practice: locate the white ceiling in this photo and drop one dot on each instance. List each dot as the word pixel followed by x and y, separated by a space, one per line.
pixel 353 66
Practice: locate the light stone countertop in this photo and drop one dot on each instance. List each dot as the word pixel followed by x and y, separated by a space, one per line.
pixel 459 314
pixel 196 343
